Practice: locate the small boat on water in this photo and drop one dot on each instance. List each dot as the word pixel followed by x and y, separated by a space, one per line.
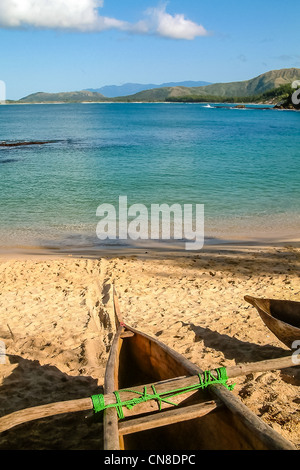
pixel 282 317
pixel 209 419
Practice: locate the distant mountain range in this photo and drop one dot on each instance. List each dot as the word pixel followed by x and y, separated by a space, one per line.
pixel 113 91
pixel 221 91
pixel 254 87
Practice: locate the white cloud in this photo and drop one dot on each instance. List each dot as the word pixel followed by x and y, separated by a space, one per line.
pixel 83 15
pixel 174 27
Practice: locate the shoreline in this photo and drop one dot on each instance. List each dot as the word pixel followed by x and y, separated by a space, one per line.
pixel 270 106
pixel 162 249
pixel 232 105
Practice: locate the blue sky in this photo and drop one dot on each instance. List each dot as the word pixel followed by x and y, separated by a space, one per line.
pixel 68 45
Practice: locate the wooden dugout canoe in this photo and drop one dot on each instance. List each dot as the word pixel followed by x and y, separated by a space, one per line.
pixel 211 419
pixel 282 317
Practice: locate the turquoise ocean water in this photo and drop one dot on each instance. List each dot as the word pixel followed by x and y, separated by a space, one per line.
pixel 243 165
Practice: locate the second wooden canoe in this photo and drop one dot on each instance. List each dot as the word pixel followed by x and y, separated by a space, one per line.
pixel 282 317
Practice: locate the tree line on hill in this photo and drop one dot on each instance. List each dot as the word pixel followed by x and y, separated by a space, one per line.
pixel 281 97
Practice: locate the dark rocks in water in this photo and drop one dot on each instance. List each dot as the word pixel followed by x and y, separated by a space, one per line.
pixel 8 160
pixel 287 106
pixel 17 144
pixel 242 106
pixel 259 108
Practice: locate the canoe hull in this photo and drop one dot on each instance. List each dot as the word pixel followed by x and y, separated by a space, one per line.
pixel 281 317
pixel 139 359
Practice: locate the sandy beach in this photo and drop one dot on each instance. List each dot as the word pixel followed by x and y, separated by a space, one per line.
pixel 56 324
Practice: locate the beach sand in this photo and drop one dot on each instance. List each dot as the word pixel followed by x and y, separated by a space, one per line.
pixel 56 325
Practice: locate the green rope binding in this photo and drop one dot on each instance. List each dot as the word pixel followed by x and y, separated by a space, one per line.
pixel 204 382
pixel 119 405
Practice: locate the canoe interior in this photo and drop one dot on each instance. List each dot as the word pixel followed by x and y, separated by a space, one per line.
pixel 143 360
pixel 288 312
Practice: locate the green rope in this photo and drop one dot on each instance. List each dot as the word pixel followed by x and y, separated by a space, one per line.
pixel 119 405
pixel 205 380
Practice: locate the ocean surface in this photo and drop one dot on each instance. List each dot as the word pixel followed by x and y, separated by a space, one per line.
pixel 243 165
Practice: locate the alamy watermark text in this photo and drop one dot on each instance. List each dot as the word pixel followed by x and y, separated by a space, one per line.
pixel 296 94
pixel 161 222
pixel 2 92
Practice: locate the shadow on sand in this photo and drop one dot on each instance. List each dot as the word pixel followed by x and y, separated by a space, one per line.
pixel 32 384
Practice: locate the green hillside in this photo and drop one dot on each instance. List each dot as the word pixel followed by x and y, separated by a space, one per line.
pixel 255 86
pixel 277 96
pixel 67 97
